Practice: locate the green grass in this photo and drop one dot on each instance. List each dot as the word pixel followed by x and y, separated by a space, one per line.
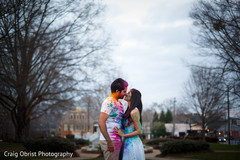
pixel 101 158
pixel 218 151
pixel 224 147
pixel 210 156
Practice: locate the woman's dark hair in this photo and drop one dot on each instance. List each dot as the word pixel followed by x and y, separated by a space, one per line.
pixel 119 84
pixel 135 102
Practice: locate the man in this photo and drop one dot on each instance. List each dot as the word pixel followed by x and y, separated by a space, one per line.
pixel 111 116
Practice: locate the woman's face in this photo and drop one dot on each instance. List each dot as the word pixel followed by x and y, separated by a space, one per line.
pixel 128 96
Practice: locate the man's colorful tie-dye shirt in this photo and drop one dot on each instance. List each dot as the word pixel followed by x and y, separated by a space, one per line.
pixel 115 111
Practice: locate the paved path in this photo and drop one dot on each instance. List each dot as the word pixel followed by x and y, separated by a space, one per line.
pixel 150 156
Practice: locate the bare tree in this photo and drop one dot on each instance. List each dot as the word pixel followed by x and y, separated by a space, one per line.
pixel 147 115
pixel 218 33
pixel 46 50
pixel 147 120
pixel 204 96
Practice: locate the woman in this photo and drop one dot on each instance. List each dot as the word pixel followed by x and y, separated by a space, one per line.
pixel 133 147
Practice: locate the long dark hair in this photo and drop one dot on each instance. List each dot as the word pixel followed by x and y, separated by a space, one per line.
pixel 135 102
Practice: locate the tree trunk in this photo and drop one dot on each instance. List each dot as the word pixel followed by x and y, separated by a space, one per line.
pixel 21 131
pixel 203 129
pixel 21 126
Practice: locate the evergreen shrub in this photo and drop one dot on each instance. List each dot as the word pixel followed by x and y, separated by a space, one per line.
pixel 82 142
pixel 155 143
pixel 183 146
pixel 50 145
pixel 208 139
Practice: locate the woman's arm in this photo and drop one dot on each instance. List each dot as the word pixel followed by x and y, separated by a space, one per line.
pixel 136 121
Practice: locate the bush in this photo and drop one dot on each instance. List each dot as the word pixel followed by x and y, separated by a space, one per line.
pixel 156 142
pixel 70 136
pixel 194 137
pixel 183 146
pixel 174 137
pixel 82 142
pixel 50 145
pixel 212 139
pixel 158 129
pixel 208 139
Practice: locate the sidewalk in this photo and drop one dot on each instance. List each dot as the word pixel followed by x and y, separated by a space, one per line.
pixel 149 156
pixel 152 156
pixel 83 155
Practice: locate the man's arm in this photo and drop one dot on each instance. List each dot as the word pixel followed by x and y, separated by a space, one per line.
pixel 102 125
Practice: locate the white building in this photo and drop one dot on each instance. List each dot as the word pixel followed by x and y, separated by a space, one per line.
pixel 181 128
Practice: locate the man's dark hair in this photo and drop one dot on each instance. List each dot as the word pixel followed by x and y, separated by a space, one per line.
pixel 119 84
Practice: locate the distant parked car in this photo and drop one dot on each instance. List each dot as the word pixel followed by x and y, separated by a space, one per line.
pixel 221 139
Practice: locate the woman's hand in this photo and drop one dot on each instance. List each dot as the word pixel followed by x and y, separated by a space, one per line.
pixel 119 131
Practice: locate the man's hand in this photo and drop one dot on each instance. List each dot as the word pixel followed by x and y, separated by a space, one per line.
pixel 110 147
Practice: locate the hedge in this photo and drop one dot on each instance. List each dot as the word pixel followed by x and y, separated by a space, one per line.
pixel 82 142
pixel 70 136
pixel 183 146
pixel 50 145
pixel 208 139
pixel 155 142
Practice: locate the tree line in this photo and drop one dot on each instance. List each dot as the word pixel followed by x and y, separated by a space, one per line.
pixel 213 86
pixel 158 124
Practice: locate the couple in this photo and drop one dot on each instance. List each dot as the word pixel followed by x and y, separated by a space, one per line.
pixel 113 120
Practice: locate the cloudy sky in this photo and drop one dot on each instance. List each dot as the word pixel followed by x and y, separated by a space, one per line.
pixel 152 42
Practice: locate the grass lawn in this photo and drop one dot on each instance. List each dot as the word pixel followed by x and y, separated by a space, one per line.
pixel 210 156
pixel 220 152
pixel 224 147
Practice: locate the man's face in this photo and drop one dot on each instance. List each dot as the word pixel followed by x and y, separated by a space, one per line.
pixel 123 93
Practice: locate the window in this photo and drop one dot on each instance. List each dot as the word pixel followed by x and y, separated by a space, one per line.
pixel 238 122
pixel 65 127
pixel 71 116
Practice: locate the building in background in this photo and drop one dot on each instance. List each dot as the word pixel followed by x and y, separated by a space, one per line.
pixel 234 128
pixel 182 129
pixel 77 123
pixel 146 126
